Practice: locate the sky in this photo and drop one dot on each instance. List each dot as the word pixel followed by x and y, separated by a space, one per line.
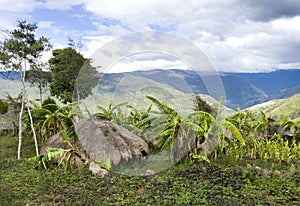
pixel 236 35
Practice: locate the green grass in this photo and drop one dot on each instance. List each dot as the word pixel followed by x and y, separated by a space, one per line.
pixel 223 182
pixel 9 145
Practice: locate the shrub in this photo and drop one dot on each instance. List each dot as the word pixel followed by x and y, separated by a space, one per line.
pixel 50 104
pixel 3 106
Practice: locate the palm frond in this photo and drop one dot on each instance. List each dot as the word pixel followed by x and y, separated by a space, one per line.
pixel 162 106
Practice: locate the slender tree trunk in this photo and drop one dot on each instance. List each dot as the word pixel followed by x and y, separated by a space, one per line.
pixel 24 98
pixel 21 113
pixel 32 128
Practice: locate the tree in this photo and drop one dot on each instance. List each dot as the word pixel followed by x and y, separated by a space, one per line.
pixel 201 105
pixel 68 82
pixel 19 52
pixel 39 77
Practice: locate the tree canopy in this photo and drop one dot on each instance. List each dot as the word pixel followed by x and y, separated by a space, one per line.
pixel 65 65
pixel 21 46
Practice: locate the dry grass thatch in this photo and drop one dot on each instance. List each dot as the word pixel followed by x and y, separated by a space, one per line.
pixel 102 140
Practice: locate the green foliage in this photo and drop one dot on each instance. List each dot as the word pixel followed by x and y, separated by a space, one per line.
pixel 50 119
pixel 50 104
pixel 255 142
pixel 64 155
pixel 105 132
pixel 231 179
pixel 21 45
pixel 109 112
pixel 67 67
pixel 201 105
pixel 140 120
pixel 236 133
pixel 291 126
pixel 172 127
pixel 50 155
pixel 105 165
pixel 3 106
pixel 188 184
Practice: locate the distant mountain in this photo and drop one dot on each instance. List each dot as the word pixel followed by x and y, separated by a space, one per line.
pixel 280 107
pixel 272 83
pixel 13 75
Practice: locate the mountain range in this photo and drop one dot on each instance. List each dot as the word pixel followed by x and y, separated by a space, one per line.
pixel 242 90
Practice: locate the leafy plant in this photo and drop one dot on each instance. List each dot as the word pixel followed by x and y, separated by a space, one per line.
pixel 140 120
pixel 50 119
pixel 172 128
pixel 64 155
pixel 105 165
pixel 109 112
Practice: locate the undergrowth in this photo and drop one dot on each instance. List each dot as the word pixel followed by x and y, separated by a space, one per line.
pixel 225 181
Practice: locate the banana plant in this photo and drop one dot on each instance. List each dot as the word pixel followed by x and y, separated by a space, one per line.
pixel 172 126
pixel 64 155
pixel 109 112
pixel 245 122
pixel 140 120
pixel 178 132
pixel 294 126
pixel 51 119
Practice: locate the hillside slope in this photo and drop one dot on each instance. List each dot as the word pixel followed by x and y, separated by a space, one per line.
pixel 280 107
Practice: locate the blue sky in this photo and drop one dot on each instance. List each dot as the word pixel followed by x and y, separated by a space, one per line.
pixel 236 35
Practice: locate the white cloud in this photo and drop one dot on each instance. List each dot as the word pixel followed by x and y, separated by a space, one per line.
pixel 18 6
pixel 45 24
pixel 126 65
pixel 242 35
pixel 11 11
pixel 61 4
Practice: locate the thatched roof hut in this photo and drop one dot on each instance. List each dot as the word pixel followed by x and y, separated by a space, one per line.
pixel 102 140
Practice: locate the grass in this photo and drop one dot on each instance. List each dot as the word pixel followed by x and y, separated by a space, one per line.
pixel 223 182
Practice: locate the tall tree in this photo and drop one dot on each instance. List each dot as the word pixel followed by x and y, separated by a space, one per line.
pixel 19 52
pixel 67 85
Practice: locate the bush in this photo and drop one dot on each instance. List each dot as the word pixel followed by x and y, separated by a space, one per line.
pixel 50 104
pixel 3 106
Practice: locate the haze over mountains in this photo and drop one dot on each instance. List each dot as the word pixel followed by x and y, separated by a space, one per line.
pixel 242 89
